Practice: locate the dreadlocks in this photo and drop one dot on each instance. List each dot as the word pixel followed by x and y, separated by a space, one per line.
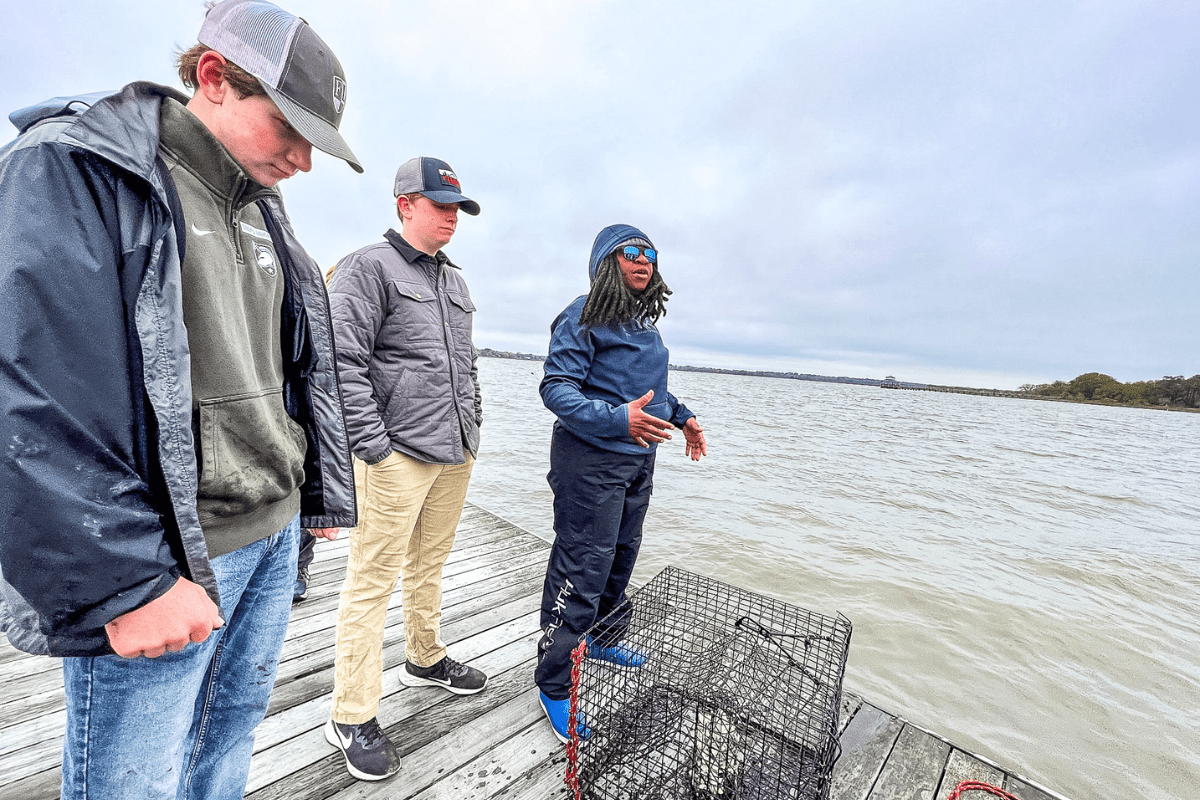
pixel 611 301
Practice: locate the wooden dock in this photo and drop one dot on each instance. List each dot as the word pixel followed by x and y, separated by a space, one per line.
pixel 492 745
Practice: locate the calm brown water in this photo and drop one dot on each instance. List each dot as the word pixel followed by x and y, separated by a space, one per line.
pixel 1023 577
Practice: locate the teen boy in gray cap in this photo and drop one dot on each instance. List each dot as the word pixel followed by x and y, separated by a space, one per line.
pixel 167 380
pixel 402 316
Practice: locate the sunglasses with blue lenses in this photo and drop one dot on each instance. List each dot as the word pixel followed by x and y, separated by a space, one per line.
pixel 632 253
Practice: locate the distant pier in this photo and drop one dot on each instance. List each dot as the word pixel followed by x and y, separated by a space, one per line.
pixel 928 387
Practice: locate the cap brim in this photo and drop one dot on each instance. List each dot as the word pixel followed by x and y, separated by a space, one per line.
pixel 316 131
pixel 465 203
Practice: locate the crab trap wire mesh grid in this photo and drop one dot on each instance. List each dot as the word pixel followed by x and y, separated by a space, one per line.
pixel 737 698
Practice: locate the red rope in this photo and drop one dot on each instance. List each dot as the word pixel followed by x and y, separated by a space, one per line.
pixel 979 786
pixel 573 721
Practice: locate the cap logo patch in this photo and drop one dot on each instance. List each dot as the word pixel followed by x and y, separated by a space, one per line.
pixel 339 94
pixel 265 259
pixel 450 179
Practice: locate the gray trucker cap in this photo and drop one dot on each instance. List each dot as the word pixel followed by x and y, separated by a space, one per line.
pixel 296 68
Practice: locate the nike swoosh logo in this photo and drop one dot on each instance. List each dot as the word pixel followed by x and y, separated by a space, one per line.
pixel 346 740
pixel 199 232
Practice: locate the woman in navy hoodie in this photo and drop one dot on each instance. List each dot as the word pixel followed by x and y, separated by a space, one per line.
pixel 606 381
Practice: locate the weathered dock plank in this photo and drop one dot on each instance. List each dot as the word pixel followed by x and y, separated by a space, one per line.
pixel 866 743
pixel 1025 791
pixel 541 783
pixel 491 745
pixel 963 766
pixel 457 745
pixel 913 768
pixel 524 750
pixel 286 731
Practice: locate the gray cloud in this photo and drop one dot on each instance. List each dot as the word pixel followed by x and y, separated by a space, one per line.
pixel 986 193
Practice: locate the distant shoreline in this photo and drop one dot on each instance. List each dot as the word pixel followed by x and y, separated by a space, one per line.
pixel 887 383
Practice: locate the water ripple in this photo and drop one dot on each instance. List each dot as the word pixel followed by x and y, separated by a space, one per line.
pixel 1022 576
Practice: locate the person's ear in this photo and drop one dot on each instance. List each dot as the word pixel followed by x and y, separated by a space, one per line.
pixel 210 77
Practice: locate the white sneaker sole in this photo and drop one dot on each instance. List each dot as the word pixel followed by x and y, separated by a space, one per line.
pixel 554 730
pixel 331 736
pixel 408 679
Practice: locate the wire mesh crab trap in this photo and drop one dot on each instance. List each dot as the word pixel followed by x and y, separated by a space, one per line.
pixel 737 697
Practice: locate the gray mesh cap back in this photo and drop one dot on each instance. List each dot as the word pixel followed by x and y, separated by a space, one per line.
pixel 298 71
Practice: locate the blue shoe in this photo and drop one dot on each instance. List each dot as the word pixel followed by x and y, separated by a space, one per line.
pixel 559 714
pixel 622 655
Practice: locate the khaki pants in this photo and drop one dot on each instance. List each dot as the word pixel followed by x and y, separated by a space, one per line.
pixel 408 512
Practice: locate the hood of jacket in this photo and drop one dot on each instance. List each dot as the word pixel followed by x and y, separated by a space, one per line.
pixel 120 127
pixel 23 118
pixel 606 240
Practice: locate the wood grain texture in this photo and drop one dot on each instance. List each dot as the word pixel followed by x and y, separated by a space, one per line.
pixel 492 745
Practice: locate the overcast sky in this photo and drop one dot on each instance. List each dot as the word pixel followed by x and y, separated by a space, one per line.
pixel 974 193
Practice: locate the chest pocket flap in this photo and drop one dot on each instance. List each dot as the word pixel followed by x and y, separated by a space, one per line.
pixel 416 292
pixel 461 300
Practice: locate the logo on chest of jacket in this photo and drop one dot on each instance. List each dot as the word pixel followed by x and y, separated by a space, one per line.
pixel 257 233
pixel 265 258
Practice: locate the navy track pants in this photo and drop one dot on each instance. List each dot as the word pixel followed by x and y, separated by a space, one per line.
pixel 600 502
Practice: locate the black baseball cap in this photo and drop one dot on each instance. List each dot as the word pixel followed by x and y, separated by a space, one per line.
pixel 296 68
pixel 433 178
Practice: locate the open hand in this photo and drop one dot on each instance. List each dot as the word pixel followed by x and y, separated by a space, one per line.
pixel 646 429
pixel 695 440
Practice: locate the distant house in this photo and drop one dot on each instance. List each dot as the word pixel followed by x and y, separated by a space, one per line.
pixel 889 382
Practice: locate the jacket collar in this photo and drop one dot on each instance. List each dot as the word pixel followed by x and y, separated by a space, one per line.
pixel 412 254
pixel 187 138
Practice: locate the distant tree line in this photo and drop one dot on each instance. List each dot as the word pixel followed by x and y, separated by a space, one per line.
pixel 1172 390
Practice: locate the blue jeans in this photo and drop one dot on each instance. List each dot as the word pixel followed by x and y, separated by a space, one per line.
pixel 182 725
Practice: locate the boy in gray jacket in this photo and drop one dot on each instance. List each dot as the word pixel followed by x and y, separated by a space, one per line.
pixel 402 316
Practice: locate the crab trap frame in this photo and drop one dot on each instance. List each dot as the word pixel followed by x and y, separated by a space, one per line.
pixel 737 697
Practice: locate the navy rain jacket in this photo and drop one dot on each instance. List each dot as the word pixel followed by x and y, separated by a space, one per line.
pixel 97 464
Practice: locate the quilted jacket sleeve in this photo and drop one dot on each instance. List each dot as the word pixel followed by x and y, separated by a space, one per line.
pixel 358 303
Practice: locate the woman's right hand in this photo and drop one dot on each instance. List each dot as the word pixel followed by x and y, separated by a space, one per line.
pixel 646 429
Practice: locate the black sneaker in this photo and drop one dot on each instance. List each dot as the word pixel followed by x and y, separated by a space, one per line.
pixel 370 755
pixel 300 588
pixel 447 673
